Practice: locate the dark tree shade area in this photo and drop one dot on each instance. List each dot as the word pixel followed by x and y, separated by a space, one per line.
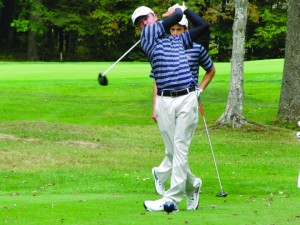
pixel 102 30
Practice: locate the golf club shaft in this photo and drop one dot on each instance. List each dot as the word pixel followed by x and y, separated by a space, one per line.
pixel 212 151
pixel 121 58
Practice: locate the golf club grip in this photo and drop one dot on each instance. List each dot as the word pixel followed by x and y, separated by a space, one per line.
pixel 201 108
pixel 105 72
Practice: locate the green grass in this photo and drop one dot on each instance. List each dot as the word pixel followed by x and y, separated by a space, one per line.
pixel 73 152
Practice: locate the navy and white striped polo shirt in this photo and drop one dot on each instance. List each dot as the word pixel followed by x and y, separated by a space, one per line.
pixel 167 56
pixel 197 56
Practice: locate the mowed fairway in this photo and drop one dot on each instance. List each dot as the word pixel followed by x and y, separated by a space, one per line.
pixel 74 152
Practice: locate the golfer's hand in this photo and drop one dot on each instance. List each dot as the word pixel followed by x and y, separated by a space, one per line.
pixel 171 10
pixel 154 117
pixel 198 92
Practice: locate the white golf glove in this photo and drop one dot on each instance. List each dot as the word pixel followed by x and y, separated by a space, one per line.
pixel 198 92
pixel 171 10
pixel 182 7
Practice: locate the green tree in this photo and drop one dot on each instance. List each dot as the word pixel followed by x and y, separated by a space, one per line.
pixel 266 30
pixel 102 29
pixel 58 24
pixel 8 11
pixel 220 14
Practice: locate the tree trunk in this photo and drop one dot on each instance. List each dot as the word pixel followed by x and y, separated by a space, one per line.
pixel 32 53
pixel 61 39
pixel 233 114
pixel 289 105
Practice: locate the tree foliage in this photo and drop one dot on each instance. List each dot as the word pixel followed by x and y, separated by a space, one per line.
pixel 266 39
pixel 102 29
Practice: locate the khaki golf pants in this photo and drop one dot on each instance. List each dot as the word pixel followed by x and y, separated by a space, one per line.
pixel 177 119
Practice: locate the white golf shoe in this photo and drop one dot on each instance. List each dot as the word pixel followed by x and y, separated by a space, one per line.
pixel 192 200
pixel 157 205
pixel 159 186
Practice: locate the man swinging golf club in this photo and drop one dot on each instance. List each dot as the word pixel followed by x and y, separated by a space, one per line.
pixel 197 56
pixel 177 96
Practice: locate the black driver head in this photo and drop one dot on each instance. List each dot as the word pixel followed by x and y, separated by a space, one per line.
pixel 221 194
pixel 102 80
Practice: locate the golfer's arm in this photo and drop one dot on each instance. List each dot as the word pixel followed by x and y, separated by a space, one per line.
pixel 154 96
pixel 154 101
pixel 207 78
pixel 200 26
pixel 172 20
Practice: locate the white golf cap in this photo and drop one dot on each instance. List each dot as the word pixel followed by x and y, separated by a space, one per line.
pixel 184 21
pixel 140 11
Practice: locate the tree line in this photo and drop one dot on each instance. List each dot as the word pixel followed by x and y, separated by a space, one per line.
pixel 102 30
pixel 288 111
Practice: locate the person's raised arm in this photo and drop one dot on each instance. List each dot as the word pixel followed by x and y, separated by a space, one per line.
pixel 172 17
pixel 199 25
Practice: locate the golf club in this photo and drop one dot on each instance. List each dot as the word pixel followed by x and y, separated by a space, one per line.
pixel 102 79
pixel 299 180
pixel 222 193
pixel 298 134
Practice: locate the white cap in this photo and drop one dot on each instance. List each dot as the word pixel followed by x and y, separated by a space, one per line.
pixel 140 11
pixel 184 21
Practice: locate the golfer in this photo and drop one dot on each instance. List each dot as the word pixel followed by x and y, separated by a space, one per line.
pixel 177 95
pixel 197 56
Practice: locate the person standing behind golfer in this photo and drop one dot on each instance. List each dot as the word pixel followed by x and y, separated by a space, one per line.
pixel 197 56
pixel 177 100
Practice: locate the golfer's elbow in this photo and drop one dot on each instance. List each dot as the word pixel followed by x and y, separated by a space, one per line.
pixel 212 72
